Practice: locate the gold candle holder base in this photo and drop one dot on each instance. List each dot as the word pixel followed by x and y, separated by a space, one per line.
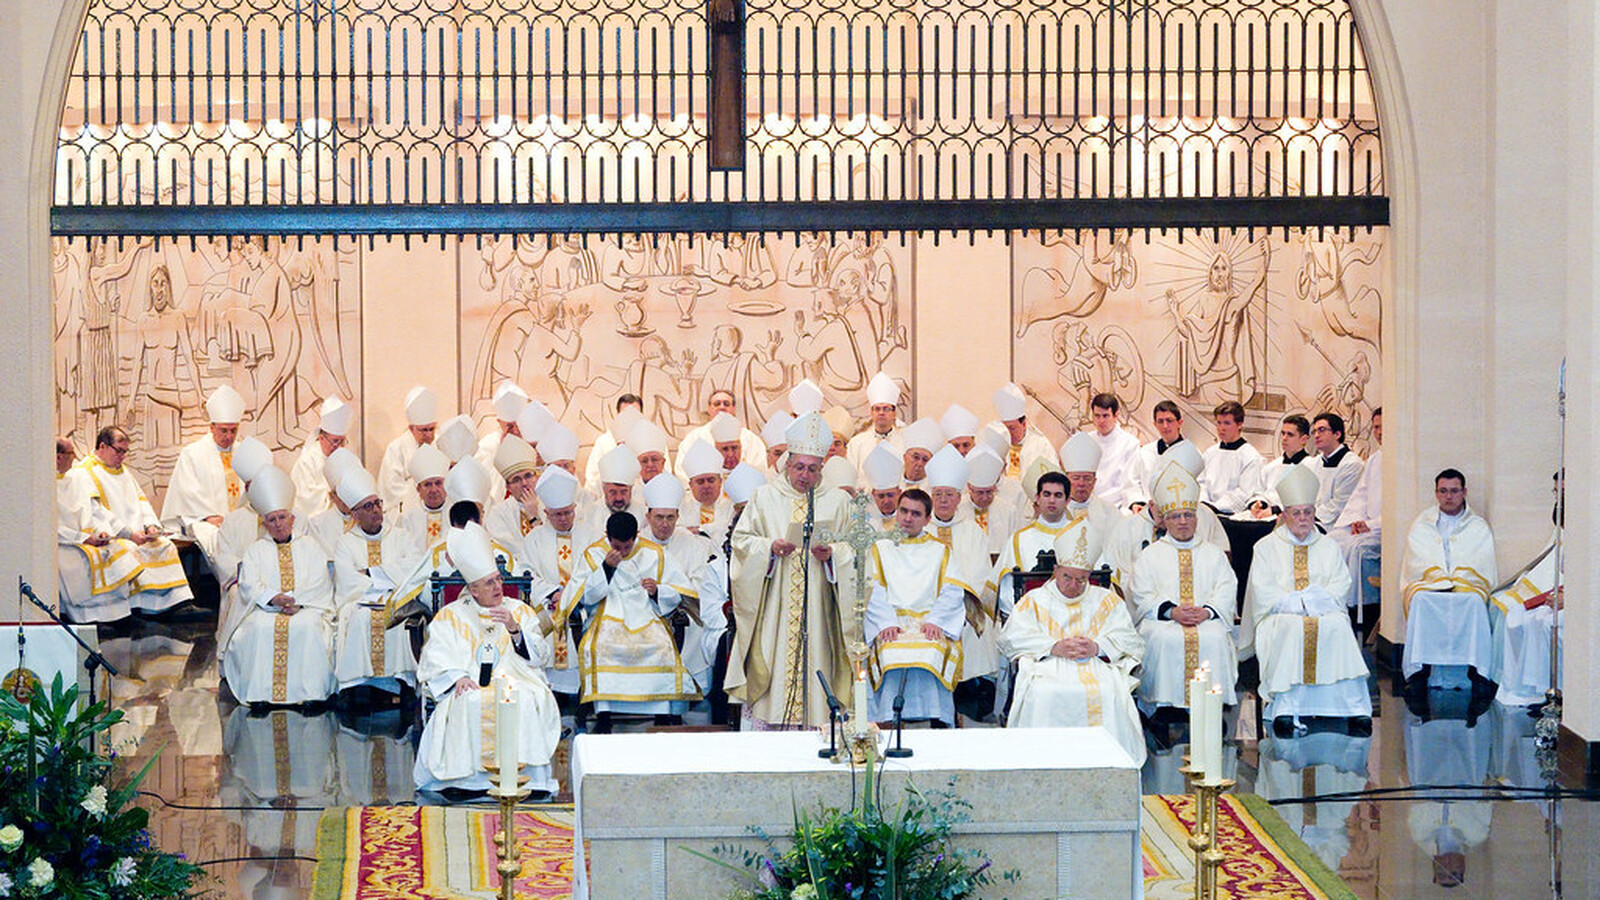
pixel 505 843
pixel 860 746
pixel 1203 837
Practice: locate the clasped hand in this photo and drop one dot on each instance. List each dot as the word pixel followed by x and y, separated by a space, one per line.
pixel 929 630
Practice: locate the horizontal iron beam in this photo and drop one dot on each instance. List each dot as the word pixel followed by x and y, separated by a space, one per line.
pixel 717 218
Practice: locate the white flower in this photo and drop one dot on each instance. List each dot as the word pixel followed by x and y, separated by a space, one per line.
pixel 41 873
pixel 94 802
pixel 5 885
pixel 122 872
pixel 10 838
pixel 804 892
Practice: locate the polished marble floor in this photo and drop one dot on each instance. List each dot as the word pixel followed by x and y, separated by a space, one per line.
pixel 241 793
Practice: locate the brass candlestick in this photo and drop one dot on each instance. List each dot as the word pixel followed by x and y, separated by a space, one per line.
pixel 505 843
pixel 1203 837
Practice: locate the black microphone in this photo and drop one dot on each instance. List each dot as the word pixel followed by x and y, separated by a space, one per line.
pixel 836 713
pixel 833 702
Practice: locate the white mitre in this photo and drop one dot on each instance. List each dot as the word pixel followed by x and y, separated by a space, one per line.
pixel 620 465
pixel 805 397
pixel 700 458
pixel 356 485
pixel 513 456
pixel 422 406
pixel 772 434
pixel 984 468
pixel 533 421
pixel 664 491
pixel 742 482
pixel 1175 490
pixel 883 468
pixel 557 488
pixel 558 443
pixel 923 434
pixel 808 435
pixel 335 416
pixel 1080 453
pixel 882 390
pixel 271 491
pixel 1184 454
pixel 1030 478
pixel 250 456
pixel 1298 487
pixel 647 437
pixel 1078 545
pixel 839 422
pixel 338 463
pixel 958 422
pixel 457 438
pixel 996 438
pixel 225 406
pixel 837 473
pixel 509 399
pixel 626 418
pixel 1009 403
pixel 725 428
pixel 947 469
pixel 467 480
pixel 427 463
pixel 471 551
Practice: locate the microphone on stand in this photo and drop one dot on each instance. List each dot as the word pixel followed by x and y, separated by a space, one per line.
pixel 836 714
pixel 899 751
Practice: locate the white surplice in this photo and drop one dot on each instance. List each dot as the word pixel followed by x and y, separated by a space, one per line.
pixel 1114 480
pixel 459 741
pixel 276 658
pixel 369 646
pixel 1448 572
pixel 107 583
pixel 1365 505
pixel 1052 691
pixel 1193 573
pixel 1521 634
pixel 1338 472
pixel 914 582
pixel 1232 475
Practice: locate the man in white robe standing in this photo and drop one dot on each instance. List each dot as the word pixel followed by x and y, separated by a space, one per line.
pixel 1119 449
pixel 1359 530
pixel 883 406
pixel 915 616
pixel 1337 467
pixel 1294 608
pixel 480 649
pixel 1147 463
pixel 1024 443
pixel 1076 649
pixel 618 473
pixel 1448 572
pixel 281 651
pixel 310 493
pixel 203 486
pixel 422 422
pixel 370 648
pixel 772 434
pixel 1184 593
pixel 706 656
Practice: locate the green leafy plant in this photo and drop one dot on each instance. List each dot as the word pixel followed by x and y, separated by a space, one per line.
pixel 68 826
pixel 866 852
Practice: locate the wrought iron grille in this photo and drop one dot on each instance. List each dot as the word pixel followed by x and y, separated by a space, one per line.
pixel 528 115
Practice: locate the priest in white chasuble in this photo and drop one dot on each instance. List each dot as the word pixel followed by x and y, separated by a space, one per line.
pixel 334 421
pixel 627 586
pixel 509 520
pixel 281 652
pixel 203 486
pixel 424 517
pixel 1076 649
pixel 101 510
pixel 1184 595
pixel 1448 572
pixel 369 646
pixel 422 423
pixel 483 648
pixel 915 616
pixel 789 618
pixel 550 552
pixel 1294 607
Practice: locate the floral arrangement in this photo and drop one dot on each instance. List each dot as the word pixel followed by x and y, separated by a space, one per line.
pixel 68 828
pixel 862 854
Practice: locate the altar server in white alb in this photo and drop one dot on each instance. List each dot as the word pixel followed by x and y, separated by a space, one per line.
pixel 281 652
pixel 1022 551
pixel 550 552
pixel 1119 451
pixel 203 486
pixel 1076 649
pixel 483 648
pixel 1025 444
pixel 1294 603
pixel 1232 473
pixel 103 513
pixel 1184 592
pixel 628 585
pixel 422 422
pixel 368 561
pixel 310 494
pixel 1448 572
pixel 915 615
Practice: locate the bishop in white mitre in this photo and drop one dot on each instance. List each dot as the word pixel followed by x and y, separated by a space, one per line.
pixel 334 520
pixel 370 647
pixel 281 651
pixel 1294 606
pixel 424 517
pixel 704 505
pixel 1024 443
pixel 915 616
pixel 1076 649
pixel 102 513
pixel 1183 590
pixel 509 403
pixel 704 653
pixel 511 519
pixel 880 474
pixel 1448 572
pixel 969 554
pixel 241 528
pixel 422 422
pixel 627 586
pixel 203 487
pixel 484 647
pixel 627 416
pixel 986 503
pixel 1080 460
pixel 310 493
pixel 883 429
pixel 551 551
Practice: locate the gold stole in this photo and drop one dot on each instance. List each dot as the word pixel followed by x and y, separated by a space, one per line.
pixel 526 523
pixel 708 514
pixel 235 487
pixel 435 526
pixel 1191 633
pixel 1308 624
pixel 1014 461
pixel 564 567
pixel 982 516
pixel 280 627
pixel 378 622
pixel 794 689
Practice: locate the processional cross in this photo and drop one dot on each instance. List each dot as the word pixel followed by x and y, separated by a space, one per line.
pixel 859 536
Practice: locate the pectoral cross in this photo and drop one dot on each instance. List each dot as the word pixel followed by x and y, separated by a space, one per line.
pixel 859 536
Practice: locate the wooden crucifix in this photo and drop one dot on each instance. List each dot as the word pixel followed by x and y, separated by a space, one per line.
pixel 725 123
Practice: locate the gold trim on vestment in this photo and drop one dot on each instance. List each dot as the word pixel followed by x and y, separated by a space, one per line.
pixel 280 658
pixel 1191 633
pixel 1308 650
pixel 794 712
pixel 280 761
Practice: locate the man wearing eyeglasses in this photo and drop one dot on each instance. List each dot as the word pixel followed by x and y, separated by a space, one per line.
pixel 1338 468
pixel 1448 572
pixel 368 559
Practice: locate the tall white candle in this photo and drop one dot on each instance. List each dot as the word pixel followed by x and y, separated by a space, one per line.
pixel 1198 725
pixel 860 713
pixel 1213 747
pixel 506 734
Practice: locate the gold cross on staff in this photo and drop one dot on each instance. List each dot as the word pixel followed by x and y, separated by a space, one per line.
pixel 859 536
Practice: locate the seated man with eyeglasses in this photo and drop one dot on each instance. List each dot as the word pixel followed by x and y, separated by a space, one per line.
pixel 1448 572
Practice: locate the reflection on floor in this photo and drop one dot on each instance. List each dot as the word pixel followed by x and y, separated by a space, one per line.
pixel 242 792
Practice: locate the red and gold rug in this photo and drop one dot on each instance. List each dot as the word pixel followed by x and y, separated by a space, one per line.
pixel 445 853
